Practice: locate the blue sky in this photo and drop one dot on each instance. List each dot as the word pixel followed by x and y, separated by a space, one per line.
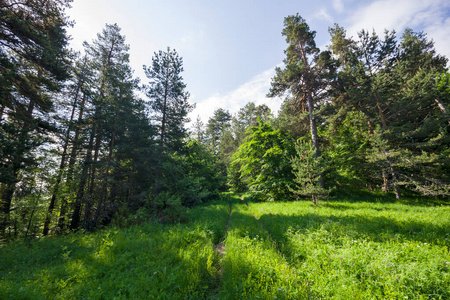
pixel 230 48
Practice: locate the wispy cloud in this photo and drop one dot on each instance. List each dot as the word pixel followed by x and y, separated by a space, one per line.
pixel 254 90
pixel 431 16
pixel 338 5
pixel 323 15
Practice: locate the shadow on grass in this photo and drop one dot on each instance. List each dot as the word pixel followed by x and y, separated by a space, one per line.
pixel 253 267
pixel 142 262
pixel 409 198
pixel 377 228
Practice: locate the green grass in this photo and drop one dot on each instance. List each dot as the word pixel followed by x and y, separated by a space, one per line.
pixel 141 262
pixel 252 267
pixel 364 250
pixel 371 249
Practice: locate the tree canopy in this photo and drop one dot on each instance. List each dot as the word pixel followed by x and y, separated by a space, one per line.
pixel 80 149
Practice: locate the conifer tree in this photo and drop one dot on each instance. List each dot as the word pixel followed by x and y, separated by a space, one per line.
pixel 393 85
pixel 306 72
pixel 215 128
pixel 168 97
pixel 109 163
pixel 33 64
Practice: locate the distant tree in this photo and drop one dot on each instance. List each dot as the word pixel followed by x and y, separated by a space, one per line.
pixel 215 128
pixel 168 97
pixel 247 117
pixel 198 130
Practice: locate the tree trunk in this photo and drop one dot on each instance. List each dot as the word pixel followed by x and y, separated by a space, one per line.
pixel 87 224
pixel 163 122
pixel 15 166
pixel 104 189
pixel 385 187
pixel 314 135
pixel 73 154
pixel 442 107
pixel 75 223
pixel 61 167
pixel 5 206
pixel 76 141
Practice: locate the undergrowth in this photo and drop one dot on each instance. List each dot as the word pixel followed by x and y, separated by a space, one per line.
pixel 375 248
pixel 140 262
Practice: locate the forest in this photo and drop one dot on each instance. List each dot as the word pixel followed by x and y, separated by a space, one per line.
pixel 91 154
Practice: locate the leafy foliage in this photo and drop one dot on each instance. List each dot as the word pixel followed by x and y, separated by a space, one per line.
pixel 262 163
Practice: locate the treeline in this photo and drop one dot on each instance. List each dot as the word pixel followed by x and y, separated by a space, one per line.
pixel 366 113
pixel 80 149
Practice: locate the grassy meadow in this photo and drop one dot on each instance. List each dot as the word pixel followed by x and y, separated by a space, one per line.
pixel 368 248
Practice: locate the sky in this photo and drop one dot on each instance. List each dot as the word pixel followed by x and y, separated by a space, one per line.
pixel 231 48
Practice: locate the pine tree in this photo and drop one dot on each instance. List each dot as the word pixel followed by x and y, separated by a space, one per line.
pixel 393 85
pixel 306 72
pixel 168 98
pixel 215 128
pixel 247 117
pixel 307 170
pixel 33 64
pixel 116 114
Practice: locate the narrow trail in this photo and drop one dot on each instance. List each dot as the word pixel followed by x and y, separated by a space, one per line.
pixel 220 247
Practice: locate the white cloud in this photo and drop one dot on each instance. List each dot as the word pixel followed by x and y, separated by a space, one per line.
pixel 338 5
pixel 440 33
pixel 323 15
pixel 431 16
pixel 387 14
pixel 254 90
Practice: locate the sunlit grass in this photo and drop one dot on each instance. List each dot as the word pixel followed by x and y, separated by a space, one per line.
pixel 340 250
pixel 140 262
pixel 252 266
pixel 364 250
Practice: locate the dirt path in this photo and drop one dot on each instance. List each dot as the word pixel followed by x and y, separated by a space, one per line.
pixel 220 247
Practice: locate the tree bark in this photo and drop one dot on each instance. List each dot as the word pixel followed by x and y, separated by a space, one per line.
pixel 8 190
pixel 75 223
pixel 442 107
pixel 63 157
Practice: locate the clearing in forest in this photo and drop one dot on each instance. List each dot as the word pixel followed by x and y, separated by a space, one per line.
pixel 368 249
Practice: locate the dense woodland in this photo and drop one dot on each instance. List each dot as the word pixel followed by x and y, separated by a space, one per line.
pixel 81 148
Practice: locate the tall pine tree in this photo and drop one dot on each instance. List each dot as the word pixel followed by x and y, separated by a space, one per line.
pixel 168 98
pixel 34 65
